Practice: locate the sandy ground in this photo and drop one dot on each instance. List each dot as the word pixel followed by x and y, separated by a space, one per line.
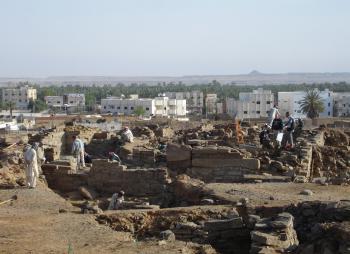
pixel 32 224
pixel 278 193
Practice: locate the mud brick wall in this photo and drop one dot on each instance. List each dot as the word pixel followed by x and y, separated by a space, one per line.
pixel 221 164
pixel 110 177
pixel 142 156
pixel 179 156
pixel 61 177
pixel 52 143
pixel 211 163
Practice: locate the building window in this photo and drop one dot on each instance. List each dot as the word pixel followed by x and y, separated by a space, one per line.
pixel 164 108
pixel 258 102
pixel 258 112
pixel 118 107
pixel 147 108
pixel 329 113
pixel 268 102
pixel 344 105
pixel 71 102
pixel 245 112
pixel 104 107
pixel 329 94
pixel 329 104
pixel 132 108
pixel 267 112
pixel 20 100
pixel 58 102
pixel 125 108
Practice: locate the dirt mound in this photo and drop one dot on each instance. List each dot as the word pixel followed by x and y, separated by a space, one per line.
pixel 11 167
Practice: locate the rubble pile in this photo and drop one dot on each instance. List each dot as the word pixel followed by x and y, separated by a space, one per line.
pixel 323 227
pixel 332 164
pixel 335 137
pixel 274 235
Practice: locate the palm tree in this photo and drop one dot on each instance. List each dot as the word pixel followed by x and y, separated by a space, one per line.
pixel 10 106
pixel 312 104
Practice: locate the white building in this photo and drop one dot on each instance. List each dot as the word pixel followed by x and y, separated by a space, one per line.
pixel 194 100
pixel 341 104
pixel 54 101
pixel 291 101
pixel 123 106
pixel 254 104
pixel 19 96
pixel 160 106
pixel 169 107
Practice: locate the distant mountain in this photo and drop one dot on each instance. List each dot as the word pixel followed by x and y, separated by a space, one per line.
pixel 253 78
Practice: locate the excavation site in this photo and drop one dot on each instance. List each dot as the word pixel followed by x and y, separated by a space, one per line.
pixel 176 187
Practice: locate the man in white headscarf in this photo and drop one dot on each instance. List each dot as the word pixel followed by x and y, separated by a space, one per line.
pixel 31 164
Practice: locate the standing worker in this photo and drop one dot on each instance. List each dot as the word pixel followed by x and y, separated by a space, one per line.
pixel 82 152
pixel 289 129
pixel 40 155
pixel 31 164
pixel 77 152
pixel 274 113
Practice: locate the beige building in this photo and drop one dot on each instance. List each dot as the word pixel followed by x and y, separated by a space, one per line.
pixel 19 96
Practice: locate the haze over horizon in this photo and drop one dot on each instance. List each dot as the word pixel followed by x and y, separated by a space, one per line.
pixel 178 38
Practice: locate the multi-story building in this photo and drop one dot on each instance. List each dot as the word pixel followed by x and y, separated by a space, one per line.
pixel 254 104
pixel 19 96
pixel 291 102
pixel 70 102
pixel 54 101
pixel 194 100
pixel 341 106
pixel 159 106
pixel 74 99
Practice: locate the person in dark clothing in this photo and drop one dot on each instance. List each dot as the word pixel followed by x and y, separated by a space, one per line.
pixel 264 137
pixel 288 132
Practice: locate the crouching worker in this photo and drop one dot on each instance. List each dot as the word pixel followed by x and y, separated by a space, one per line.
pixel 264 137
pixel 31 164
pixel 113 157
pixel 116 201
pixel 127 135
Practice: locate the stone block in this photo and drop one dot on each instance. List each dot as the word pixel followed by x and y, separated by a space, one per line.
pixel 217 225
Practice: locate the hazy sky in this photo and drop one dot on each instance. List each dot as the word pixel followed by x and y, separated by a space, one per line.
pixel 173 37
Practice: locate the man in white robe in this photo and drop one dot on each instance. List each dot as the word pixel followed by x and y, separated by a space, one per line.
pixel 31 164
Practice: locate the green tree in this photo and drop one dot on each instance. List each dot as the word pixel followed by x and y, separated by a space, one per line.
pixel 139 111
pixel 37 105
pixel 10 105
pixel 312 104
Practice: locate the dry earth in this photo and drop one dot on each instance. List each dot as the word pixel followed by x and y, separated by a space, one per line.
pixel 33 224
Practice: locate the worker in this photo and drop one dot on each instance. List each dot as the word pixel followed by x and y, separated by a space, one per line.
pixel 40 155
pixel 264 137
pixel 274 113
pixel 77 152
pixel 112 156
pixel 116 201
pixel 31 164
pixel 87 158
pixel 127 135
pixel 288 132
pixel 82 152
